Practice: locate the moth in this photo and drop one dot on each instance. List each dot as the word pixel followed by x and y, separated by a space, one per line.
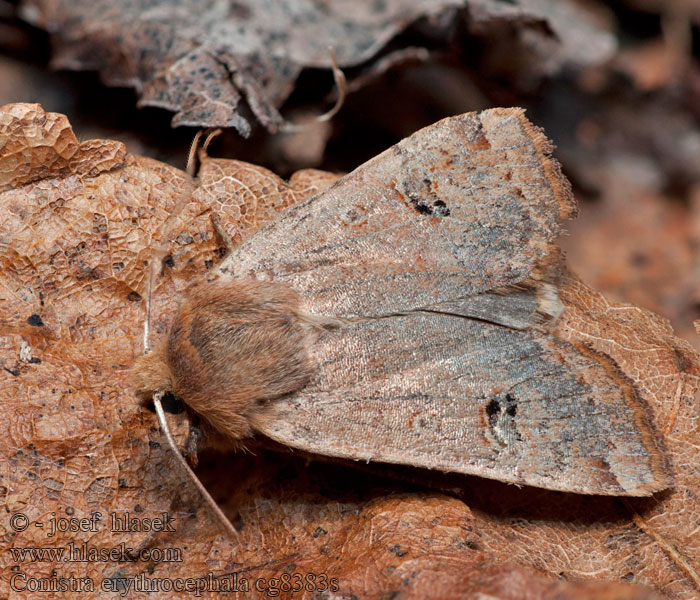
pixel 408 315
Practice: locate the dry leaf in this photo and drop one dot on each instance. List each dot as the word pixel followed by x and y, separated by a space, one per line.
pixel 72 254
pixel 639 247
pixel 559 33
pixel 201 59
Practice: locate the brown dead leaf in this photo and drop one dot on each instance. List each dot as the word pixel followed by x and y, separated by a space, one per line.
pixel 638 247
pixel 42 150
pixel 73 249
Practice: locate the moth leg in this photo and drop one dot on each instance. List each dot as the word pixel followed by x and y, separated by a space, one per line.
pixel 223 235
pixel 193 444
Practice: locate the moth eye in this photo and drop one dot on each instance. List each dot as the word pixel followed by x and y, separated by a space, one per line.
pixel 171 404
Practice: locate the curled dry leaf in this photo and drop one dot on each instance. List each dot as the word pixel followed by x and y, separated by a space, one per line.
pixel 206 60
pixel 75 439
pixel 202 59
pixel 35 150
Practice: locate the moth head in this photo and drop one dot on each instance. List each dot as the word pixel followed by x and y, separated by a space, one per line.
pixel 151 373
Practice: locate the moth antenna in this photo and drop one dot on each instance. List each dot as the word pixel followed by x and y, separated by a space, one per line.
pixel 157 397
pixel 147 320
pixel 159 254
pixel 341 85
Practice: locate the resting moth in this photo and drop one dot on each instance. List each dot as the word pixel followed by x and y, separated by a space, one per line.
pixel 406 315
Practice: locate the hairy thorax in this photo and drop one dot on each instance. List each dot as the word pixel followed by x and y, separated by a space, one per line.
pixel 232 347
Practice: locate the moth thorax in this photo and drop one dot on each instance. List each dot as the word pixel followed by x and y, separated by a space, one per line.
pixel 235 346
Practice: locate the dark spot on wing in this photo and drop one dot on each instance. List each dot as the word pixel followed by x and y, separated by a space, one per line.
pixel 501 414
pixel 424 199
pixel 493 409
